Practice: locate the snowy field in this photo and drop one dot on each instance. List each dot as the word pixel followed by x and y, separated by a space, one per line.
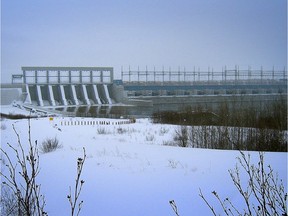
pixel 129 169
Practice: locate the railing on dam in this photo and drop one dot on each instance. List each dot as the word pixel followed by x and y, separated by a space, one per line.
pixel 178 77
pixel 139 83
pixel 64 75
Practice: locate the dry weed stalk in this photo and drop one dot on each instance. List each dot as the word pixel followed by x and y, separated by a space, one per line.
pixel 22 175
pixel 73 199
pixel 263 195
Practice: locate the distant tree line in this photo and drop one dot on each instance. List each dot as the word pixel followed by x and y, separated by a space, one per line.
pixel 270 116
pixel 230 127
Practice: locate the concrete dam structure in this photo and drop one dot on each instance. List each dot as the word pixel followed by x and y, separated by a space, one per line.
pixel 147 83
pixel 91 91
pixel 208 88
pixel 68 86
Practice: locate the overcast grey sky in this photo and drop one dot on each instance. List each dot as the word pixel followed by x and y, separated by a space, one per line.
pixel 158 33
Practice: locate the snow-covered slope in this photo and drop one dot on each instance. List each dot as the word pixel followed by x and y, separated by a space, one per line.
pixel 130 170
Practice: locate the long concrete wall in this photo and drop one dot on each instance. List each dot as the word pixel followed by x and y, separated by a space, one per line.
pixel 156 89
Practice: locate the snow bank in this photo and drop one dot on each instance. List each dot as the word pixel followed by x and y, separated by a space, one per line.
pixel 129 170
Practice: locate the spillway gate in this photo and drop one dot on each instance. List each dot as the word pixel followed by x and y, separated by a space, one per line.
pixel 64 86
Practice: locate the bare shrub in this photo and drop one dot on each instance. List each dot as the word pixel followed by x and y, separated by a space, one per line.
pixel 181 136
pixel 232 127
pixel 73 197
pixel 121 130
pixel 163 131
pixel 20 181
pixel 174 164
pixel 174 207
pixel 168 143
pixel 263 194
pixel 202 136
pixel 193 135
pixel 14 116
pixel 102 130
pixel 9 203
pixel 150 137
pixel 223 138
pixel 50 145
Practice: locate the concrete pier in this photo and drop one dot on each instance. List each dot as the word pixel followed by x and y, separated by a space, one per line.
pixel 85 95
pixel 28 97
pixel 107 94
pixel 51 95
pixel 74 95
pixel 63 97
pixel 39 95
pixel 96 95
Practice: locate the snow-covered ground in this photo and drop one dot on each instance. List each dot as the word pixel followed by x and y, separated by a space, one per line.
pixel 129 169
pixel 13 110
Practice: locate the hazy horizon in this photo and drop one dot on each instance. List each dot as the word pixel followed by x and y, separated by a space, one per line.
pixel 186 33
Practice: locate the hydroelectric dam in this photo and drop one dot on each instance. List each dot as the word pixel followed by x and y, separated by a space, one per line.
pixel 90 91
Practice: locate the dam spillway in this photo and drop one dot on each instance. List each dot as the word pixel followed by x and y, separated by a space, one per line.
pixel 68 86
pixel 68 95
pixel 93 89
